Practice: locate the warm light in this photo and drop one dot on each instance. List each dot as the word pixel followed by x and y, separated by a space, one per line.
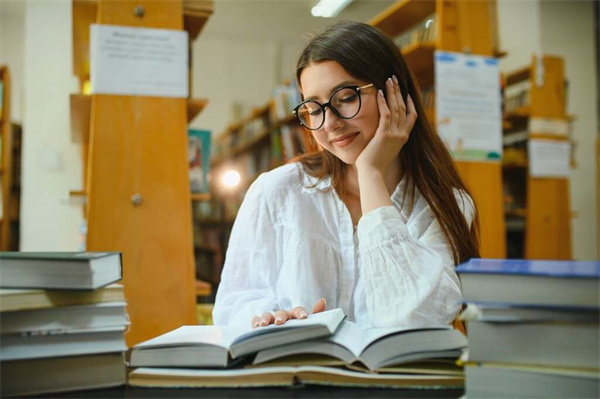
pixel 87 88
pixel 231 178
pixel 329 8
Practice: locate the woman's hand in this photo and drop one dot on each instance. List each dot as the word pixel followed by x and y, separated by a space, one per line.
pixel 281 316
pixel 396 121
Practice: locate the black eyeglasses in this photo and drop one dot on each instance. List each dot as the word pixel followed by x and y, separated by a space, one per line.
pixel 344 102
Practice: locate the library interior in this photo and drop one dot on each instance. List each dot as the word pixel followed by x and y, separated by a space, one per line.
pixel 143 127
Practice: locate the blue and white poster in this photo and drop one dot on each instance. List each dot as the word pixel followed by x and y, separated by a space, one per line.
pixel 468 105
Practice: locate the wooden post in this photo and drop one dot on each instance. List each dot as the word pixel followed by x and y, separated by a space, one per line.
pixel 138 188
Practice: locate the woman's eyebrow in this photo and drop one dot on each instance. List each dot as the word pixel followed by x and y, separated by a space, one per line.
pixel 342 84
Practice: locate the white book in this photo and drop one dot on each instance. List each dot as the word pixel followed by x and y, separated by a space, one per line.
pixel 59 270
pixel 61 374
pixel 376 347
pixel 217 346
pixel 23 346
pixel 22 299
pixel 283 376
pixel 65 318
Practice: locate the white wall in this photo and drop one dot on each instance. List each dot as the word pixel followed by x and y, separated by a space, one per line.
pixel 51 164
pixel 566 29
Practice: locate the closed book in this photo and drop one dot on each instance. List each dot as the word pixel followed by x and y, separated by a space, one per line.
pixel 499 312
pixel 61 374
pixel 60 270
pixel 71 343
pixel 12 299
pixel 375 348
pixel 65 318
pixel 217 346
pixel 562 344
pixel 489 380
pixel 532 282
pixel 284 376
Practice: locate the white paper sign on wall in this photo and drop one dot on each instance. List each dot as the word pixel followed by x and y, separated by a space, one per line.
pixel 138 61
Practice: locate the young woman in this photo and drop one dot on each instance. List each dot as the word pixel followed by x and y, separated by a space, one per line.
pixel 374 223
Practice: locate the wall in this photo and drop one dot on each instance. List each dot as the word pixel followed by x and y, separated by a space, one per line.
pixel 564 28
pixel 51 164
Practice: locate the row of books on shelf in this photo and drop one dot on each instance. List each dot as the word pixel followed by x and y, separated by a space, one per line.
pixel 533 328
pixel 63 322
pixel 285 98
pixel 423 32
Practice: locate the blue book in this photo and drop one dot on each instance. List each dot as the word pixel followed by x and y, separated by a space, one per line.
pixel 531 282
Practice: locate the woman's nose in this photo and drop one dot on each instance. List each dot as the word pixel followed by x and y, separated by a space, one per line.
pixel 332 121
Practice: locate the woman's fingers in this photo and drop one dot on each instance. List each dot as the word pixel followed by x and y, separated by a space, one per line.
pixel 281 317
pixel 384 111
pixel 298 313
pixel 412 115
pixel 392 101
pixel 399 99
pixel 265 319
pixel 320 306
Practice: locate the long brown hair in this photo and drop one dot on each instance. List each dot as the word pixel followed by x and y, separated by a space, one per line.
pixel 367 54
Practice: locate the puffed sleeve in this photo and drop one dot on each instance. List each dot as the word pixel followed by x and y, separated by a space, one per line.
pixel 408 268
pixel 250 270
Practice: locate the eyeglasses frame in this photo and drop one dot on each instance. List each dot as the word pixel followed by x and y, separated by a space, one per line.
pixel 358 90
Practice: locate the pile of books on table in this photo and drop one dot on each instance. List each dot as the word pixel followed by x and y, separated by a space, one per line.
pixel 63 322
pixel 533 328
pixel 323 349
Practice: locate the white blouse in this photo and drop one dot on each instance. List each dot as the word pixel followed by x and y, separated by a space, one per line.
pixel 291 245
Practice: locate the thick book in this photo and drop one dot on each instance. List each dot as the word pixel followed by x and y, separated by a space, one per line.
pixel 61 374
pixel 59 270
pixel 489 380
pixel 498 312
pixel 217 346
pixel 533 282
pixel 13 299
pixel 65 318
pixel 284 376
pixel 560 344
pixel 375 348
pixel 71 343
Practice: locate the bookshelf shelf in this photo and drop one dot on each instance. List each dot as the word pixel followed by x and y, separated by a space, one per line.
pixel 518 76
pixel 203 288
pixel 81 106
pixel 403 15
pixel 420 57
pixel 200 196
pixel 194 107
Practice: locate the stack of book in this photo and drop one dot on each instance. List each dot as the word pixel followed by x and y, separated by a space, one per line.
pixel 323 349
pixel 533 328
pixel 63 322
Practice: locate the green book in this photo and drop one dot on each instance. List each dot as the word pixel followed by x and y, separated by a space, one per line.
pixel 59 270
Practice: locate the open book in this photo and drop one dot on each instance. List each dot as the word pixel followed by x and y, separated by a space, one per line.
pixel 283 376
pixel 374 348
pixel 217 346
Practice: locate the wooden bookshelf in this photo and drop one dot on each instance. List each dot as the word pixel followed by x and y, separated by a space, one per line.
pixel 136 183
pixel 9 160
pixel 460 26
pixel 546 212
